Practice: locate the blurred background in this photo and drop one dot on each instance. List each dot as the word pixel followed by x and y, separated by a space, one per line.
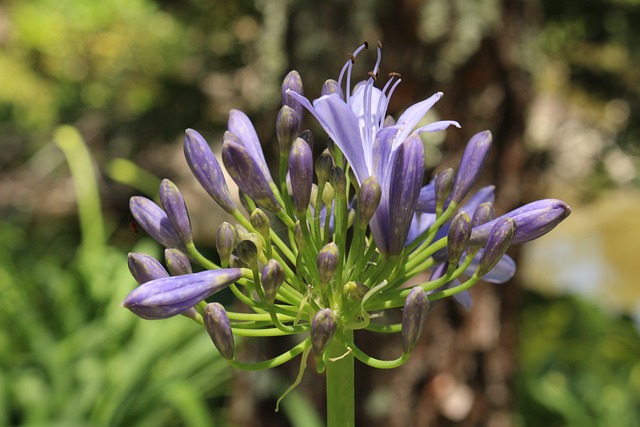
pixel 94 100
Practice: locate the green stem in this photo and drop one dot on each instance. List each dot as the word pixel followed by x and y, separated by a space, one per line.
pixel 340 389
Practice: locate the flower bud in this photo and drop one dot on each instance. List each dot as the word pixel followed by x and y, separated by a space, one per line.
pixel 225 241
pixel 248 173
pixel 272 278
pixel 413 315
pixel 177 262
pixel 443 184
pixel 169 296
pixel 323 166
pixel 248 252
pixel 483 214
pixel 328 258
pixel 368 200
pixel 155 222
pixel 301 176
pixel 458 237
pixel 330 87
pixel 328 194
pixel 532 220
pixel 498 242
pixel 355 290
pixel 308 138
pixel 406 180
pixel 323 327
pixel 176 209
pixel 145 268
pixel 288 126
pixel 301 242
pixel 473 158
pixel 292 82
pixel 338 181
pixel 218 327
pixel 206 169
pixel 260 221
pixel 427 199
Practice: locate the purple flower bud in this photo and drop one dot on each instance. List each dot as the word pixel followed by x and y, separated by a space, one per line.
pixel 218 327
pixel 260 222
pixel 225 241
pixel 427 199
pixel 155 222
pixel 176 209
pixel 471 164
pixel 177 262
pixel 323 327
pixel 328 258
pixel 272 278
pixel 292 82
pixel 443 183
pixel 288 126
pixel 330 87
pixel 301 175
pixel 206 169
pixel 248 174
pixel 169 296
pixel 323 166
pixel 532 220
pixel 458 237
pixel 498 242
pixel 145 268
pixel 483 214
pixel 413 315
pixel 368 199
pixel 406 180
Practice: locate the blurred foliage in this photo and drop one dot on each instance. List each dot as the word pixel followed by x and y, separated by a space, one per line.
pixel 69 354
pixel 580 366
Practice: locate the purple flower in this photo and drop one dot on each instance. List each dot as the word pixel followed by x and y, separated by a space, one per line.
pixel 145 268
pixel 248 171
pixel 301 175
pixel 356 123
pixel 473 158
pixel 155 222
pixel 169 296
pixel 176 209
pixel 532 221
pixel 206 169
pixel 216 322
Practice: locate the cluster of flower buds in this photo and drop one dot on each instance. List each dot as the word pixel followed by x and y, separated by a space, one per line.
pixel 330 241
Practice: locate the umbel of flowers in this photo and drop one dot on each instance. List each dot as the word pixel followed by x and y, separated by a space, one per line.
pixel 331 244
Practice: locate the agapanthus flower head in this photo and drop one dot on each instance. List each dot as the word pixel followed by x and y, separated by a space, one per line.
pixel 325 259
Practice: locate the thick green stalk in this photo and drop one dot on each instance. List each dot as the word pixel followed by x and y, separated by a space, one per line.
pixel 340 386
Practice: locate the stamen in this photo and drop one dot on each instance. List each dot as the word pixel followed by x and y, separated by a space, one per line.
pixel 378 60
pixel 372 75
pixel 384 100
pixel 347 67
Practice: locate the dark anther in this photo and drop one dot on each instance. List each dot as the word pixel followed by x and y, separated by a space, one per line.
pixel 394 74
pixel 352 58
pixel 373 75
pixel 366 45
pixel 379 44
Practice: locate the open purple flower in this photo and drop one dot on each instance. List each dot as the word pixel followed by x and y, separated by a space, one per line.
pixel 356 123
